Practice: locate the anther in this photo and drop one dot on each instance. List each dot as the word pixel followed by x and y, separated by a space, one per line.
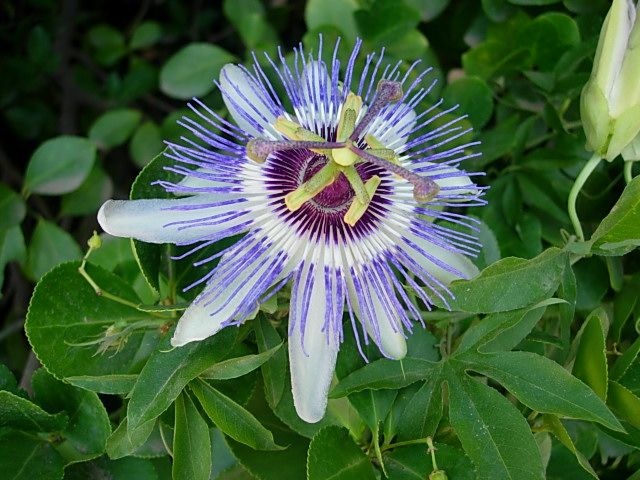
pixel 388 91
pixel 424 189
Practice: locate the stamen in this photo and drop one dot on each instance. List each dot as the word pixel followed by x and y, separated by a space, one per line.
pixel 259 149
pixel 312 187
pixel 358 208
pixel 424 189
pixel 388 91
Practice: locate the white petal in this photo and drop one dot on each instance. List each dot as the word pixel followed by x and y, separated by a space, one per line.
pixel 194 182
pixel 392 342
pixel 196 323
pixel 316 97
pixel 312 367
pixel 153 220
pixel 393 133
pixel 455 260
pixel 244 100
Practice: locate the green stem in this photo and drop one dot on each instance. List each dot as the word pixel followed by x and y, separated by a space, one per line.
pixel 628 174
pixel 587 170
pixel 391 446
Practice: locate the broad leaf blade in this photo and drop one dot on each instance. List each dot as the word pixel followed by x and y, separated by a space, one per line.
pixel 191 442
pixel 590 364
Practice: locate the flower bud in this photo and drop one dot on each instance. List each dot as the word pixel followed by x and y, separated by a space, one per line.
pixel 610 101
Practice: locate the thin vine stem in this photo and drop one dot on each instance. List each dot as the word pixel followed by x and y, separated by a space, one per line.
pixel 586 172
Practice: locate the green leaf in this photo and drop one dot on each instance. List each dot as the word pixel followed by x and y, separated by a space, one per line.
pixel 334 455
pixel 558 429
pixel 59 165
pixel 232 419
pixel 24 457
pixel 336 13
pixel 543 385
pixel 108 44
pixel 95 190
pixel 509 284
pixel 238 366
pixel 474 98
pixel 121 469
pixel 384 373
pixel 145 35
pixel 274 370
pixel 13 207
pixel 250 20
pixel 11 248
pixel 88 428
pixel 146 144
pixel 111 384
pixel 21 414
pixel 628 366
pixel 590 364
pixel 503 330
pixel 50 245
pixel 190 72
pixel 423 412
pixel 492 431
pixel 65 312
pixel 414 463
pixel 168 371
pixel 114 127
pixel 191 442
pixel 619 231
pixel 124 441
pixel 625 403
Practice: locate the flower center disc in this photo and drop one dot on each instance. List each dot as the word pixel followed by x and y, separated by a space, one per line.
pixel 333 198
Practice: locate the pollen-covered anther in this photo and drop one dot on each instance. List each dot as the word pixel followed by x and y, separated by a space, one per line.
pixel 358 208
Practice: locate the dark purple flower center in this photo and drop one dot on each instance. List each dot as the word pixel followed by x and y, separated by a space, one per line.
pixel 335 197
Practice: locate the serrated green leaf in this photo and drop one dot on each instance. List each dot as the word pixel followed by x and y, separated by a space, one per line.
pixel 114 127
pixel 23 457
pixel 168 371
pixel 590 364
pixel 561 434
pixel 59 165
pixel 543 385
pixel 334 455
pixel 86 434
pixel 625 403
pixel 65 312
pixel 238 366
pixel 110 384
pixel 492 431
pixel 190 72
pixel 423 412
pixel 232 419
pixel 21 414
pixel 628 359
pixel 510 284
pixel 191 442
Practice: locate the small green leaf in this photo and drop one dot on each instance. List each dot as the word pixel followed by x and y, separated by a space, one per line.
pixel 168 371
pixel 333 454
pixel 12 248
pixel 13 207
pixel 590 364
pixel 146 144
pixel 21 414
pixel 107 43
pixel 625 403
pixel 114 127
pixel 106 468
pixel 190 72
pixel 93 192
pixel 474 97
pixel 423 412
pixel 336 13
pixel 274 370
pixel 59 165
pixel 250 20
pixel 509 284
pixel 238 366
pixel 88 428
pixel 110 384
pixel 619 231
pixel 232 419
pixel 191 442
pixel 543 385
pixel 145 35
pixel 24 457
pixel 492 431
pixel 50 245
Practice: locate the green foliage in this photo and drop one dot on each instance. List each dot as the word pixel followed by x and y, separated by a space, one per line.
pixel 535 371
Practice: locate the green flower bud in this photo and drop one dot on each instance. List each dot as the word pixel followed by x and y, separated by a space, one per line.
pixel 610 101
pixel 438 475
